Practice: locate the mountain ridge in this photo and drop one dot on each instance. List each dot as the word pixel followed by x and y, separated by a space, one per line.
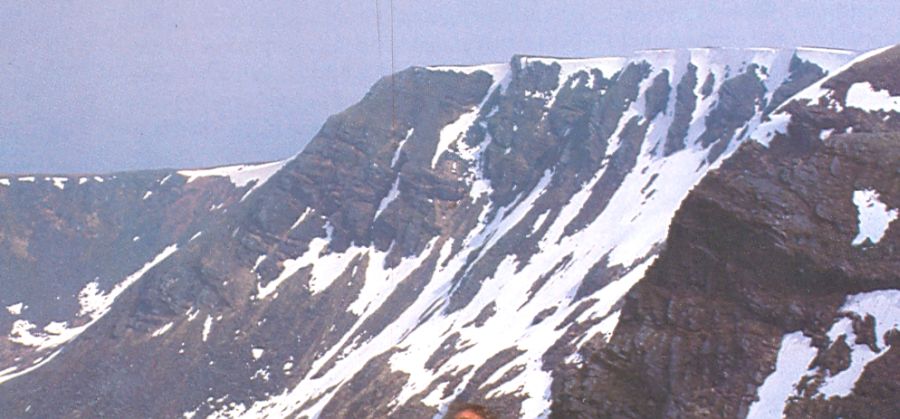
pixel 487 225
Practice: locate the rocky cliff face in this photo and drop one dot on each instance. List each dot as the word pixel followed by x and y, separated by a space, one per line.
pixel 465 240
pixel 777 291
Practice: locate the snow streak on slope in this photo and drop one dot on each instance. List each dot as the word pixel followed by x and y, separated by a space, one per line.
pixel 391 196
pixel 534 311
pixel 14 372
pixel 794 357
pixel 94 305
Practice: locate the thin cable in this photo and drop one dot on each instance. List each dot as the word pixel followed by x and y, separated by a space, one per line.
pixel 378 27
pixel 393 86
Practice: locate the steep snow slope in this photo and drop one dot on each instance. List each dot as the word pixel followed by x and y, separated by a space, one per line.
pixel 456 236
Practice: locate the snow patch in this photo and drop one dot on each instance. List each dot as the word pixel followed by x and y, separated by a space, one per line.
pixel 381 282
pixel 262 373
pixel 94 303
pixel 239 175
pixel 793 361
pixel 874 216
pixel 864 96
pixel 325 270
pixel 256 264
pixel 53 334
pixel 59 182
pixel 207 327
pixel 884 306
pixel 777 124
pixel 15 309
pixel 539 222
pixel 797 352
pixel 192 314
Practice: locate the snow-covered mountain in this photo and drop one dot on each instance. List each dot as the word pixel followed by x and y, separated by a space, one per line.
pixel 503 239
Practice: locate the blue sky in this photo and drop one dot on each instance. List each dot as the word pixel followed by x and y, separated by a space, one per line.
pixel 104 85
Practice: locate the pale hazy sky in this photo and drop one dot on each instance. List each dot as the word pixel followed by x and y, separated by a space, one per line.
pixel 103 85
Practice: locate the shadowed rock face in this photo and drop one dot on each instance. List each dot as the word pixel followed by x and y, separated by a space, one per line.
pixel 460 239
